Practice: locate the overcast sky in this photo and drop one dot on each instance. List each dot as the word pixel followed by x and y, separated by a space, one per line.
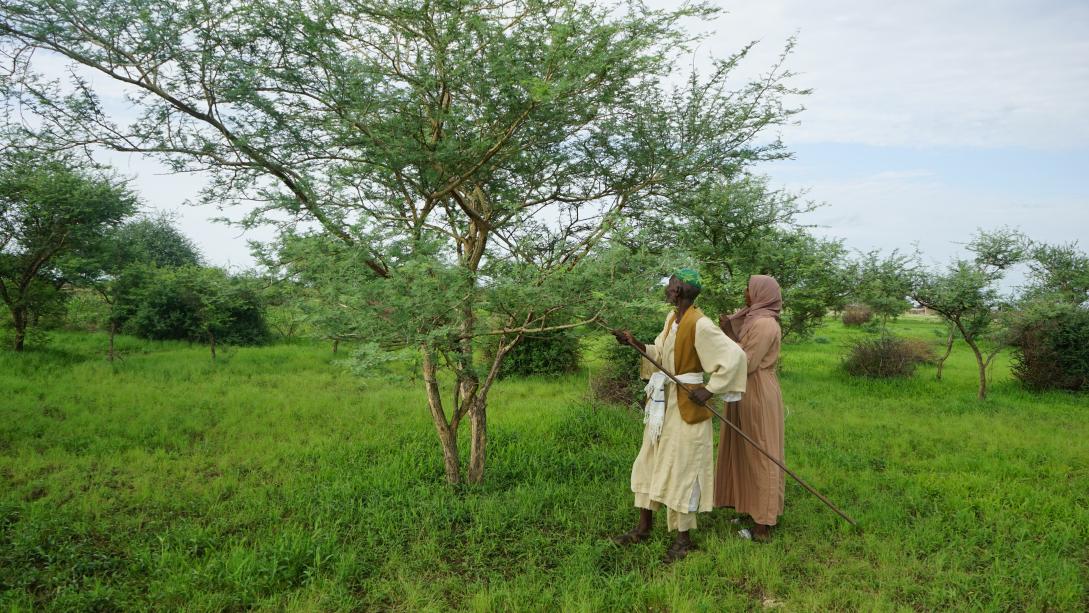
pixel 931 118
pixel 928 119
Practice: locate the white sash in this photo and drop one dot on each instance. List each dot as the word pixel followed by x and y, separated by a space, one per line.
pixel 654 414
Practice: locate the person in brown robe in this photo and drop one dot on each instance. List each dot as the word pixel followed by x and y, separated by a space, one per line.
pixel 745 479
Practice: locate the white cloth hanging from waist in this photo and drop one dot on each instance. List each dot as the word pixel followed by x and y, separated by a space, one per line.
pixel 654 414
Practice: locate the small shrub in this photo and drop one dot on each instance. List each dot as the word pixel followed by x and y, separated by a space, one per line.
pixel 611 387
pixel 884 357
pixel 548 353
pixel 874 326
pixel 1051 347
pixel 857 314
pixel 921 350
pixel 619 382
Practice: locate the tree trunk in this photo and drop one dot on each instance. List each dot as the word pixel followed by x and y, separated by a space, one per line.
pixel 478 421
pixel 448 435
pixel 336 344
pixel 948 350
pixel 212 344
pixel 451 463
pixel 478 414
pixel 982 381
pixel 113 331
pixel 473 399
pixel 18 316
pixel 982 368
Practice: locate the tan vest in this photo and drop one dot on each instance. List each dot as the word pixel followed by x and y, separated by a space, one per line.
pixel 685 360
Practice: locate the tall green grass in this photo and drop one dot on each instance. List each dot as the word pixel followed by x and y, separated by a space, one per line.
pixel 273 479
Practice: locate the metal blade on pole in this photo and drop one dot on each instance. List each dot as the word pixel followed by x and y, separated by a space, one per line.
pixel 749 440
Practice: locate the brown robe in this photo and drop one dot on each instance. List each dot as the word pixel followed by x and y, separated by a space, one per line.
pixel 744 478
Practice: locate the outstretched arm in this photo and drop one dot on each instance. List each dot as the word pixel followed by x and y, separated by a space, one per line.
pixel 721 358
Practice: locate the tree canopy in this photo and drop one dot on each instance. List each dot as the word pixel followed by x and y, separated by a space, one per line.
pixel 472 155
pixel 54 216
pixel 966 294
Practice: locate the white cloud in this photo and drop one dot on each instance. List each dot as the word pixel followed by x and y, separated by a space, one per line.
pixel 925 73
pixel 901 209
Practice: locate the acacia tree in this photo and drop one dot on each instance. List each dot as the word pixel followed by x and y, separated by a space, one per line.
pixel 153 240
pixel 1059 272
pixel 966 295
pixel 883 282
pixel 735 227
pixel 50 209
pixel 1050 327
pixel 318 269
pixel 446 142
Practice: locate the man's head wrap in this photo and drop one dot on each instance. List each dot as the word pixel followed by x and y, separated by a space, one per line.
pixel 690 276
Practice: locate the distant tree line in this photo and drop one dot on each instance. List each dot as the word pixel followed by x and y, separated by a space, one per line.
pixel 71 233
pixel 71 230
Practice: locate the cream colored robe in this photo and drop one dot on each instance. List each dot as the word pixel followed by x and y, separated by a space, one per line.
pixel 668 470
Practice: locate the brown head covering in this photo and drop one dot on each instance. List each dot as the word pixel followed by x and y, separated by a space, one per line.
pixel 767 301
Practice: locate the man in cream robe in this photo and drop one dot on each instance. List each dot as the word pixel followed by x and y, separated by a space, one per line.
pixel 675 465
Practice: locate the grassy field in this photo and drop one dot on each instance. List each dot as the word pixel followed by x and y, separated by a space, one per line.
pixel 273 479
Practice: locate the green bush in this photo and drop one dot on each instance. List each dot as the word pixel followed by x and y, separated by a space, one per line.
pixel 1051 346
pixel 618 382
pixel 189 303
pixel 883 357
pixel 547 353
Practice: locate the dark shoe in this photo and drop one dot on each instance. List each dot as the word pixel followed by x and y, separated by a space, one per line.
pixel 631 538
pixel 679 550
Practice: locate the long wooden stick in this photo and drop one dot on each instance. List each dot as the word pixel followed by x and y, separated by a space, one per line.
pixel 777 461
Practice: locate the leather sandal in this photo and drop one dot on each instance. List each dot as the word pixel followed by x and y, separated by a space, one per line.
pixel 631 538
pixel 678 552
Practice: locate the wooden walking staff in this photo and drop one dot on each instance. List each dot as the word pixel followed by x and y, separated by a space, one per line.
pixel 743 435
